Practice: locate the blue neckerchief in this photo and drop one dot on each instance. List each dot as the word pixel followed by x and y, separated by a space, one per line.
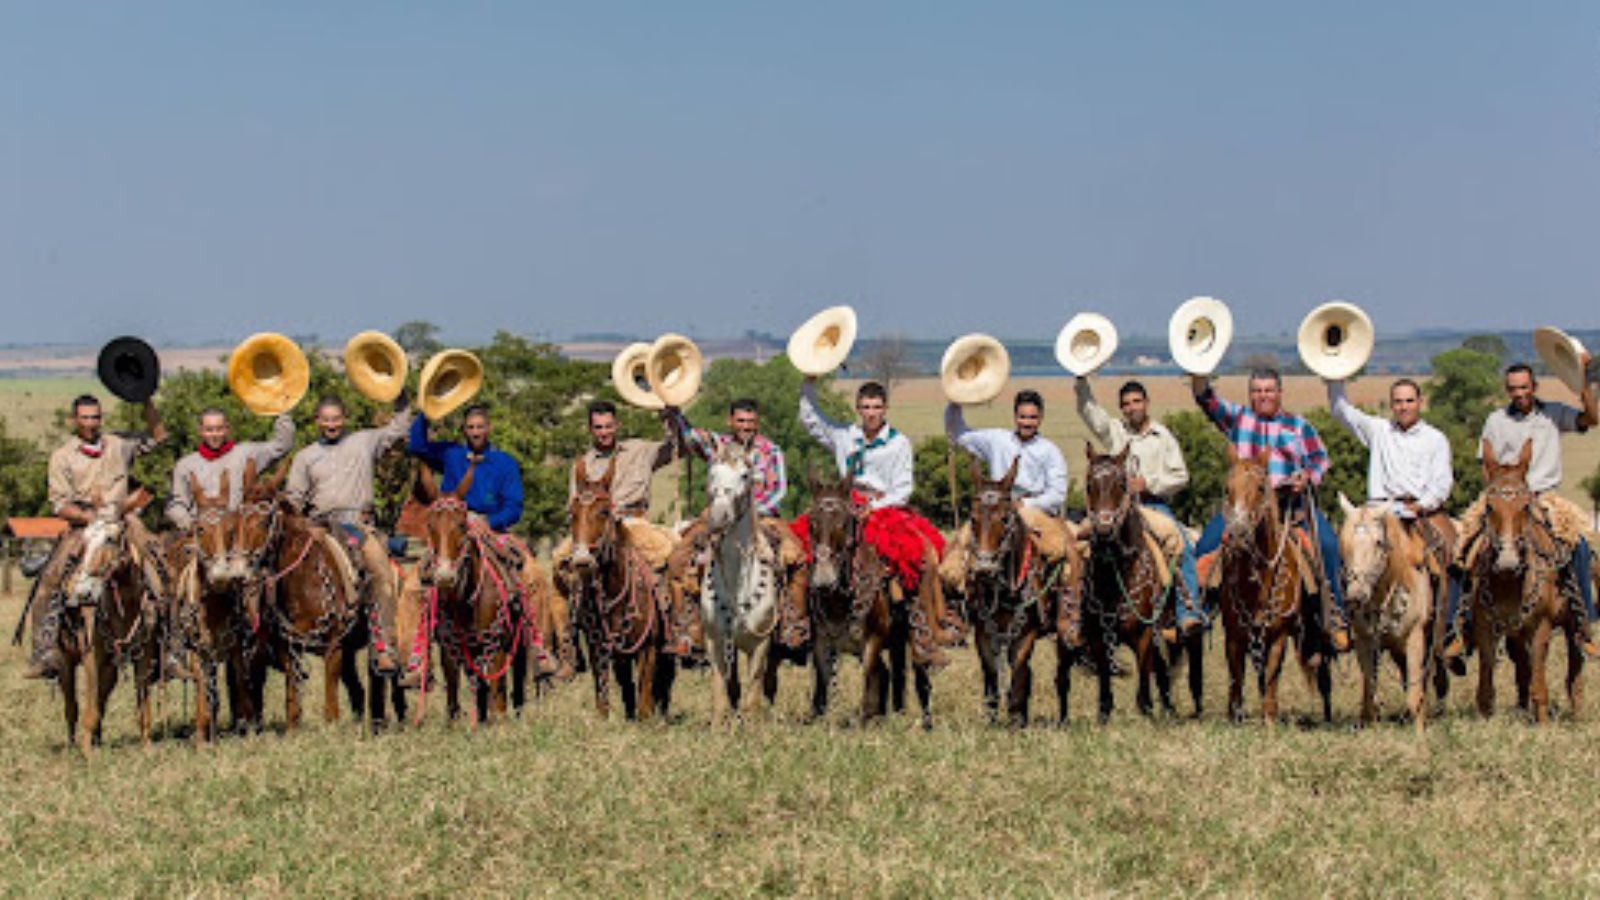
pixel 330 443
pixel 856 463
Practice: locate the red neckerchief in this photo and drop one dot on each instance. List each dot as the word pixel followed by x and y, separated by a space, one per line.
pixel 210 455
pixel 92 451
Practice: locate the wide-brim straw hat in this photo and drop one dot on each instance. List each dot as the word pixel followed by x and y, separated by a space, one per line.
pixel 449 380
pixel 673 369
pixel 628 377
pixel 1086 343
pixel 375 365
pixel 1336 340
pixel 823 343
pixel 129 368
pixel 268 373
pixel 1563 353
pixel 1198 334
pixel 974 369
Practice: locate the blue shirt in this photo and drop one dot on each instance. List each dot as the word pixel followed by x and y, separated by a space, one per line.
pixel 496 492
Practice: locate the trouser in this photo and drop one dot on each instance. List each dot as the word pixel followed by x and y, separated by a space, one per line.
pixel 383 591
pixel 1327 545
pixel 1175 543
pixel 45 609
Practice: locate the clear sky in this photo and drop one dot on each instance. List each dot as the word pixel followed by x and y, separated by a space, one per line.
pixel 196 171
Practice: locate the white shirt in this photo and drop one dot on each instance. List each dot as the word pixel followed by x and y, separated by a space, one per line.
pixel 1155 450
pixel 885 464
pixel 1506 430
pixel 1409 462
pixel 1041 473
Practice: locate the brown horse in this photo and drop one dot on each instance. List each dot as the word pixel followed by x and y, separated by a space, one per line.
pixel 1131 594
pixel 1516 593
pixel 852 610
pixel 1013 599
pixel 110 615
pixel 1264 572
pixel 618 604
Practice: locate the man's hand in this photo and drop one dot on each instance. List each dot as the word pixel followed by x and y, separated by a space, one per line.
pixel 1137 485
pixel 1199 383
pixel 1413 507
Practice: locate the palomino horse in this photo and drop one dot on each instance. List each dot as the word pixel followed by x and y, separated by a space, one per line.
pixel 851 608
pixel 111 615
pixel 1131 593
pixel 617 604
pixel 740 588
pixel 1264 575
pixel 1013 600
pixel 1391 603
pixel 475 607
pixel 1516 592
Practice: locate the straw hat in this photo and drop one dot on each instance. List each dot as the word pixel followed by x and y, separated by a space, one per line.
pixel 823 342
pixel 448 381
pixel 1086 343
pixel 1199 333
pixel 974 369
pixel 268 373
pixel 673 369
pixel 130 369
pixel 1336 340
pixel 628 376
pixel 375 365
pixel 1563 353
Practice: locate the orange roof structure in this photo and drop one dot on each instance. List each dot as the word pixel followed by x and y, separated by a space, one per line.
pixel 46 528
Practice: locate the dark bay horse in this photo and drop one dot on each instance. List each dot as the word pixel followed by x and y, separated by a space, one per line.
pixel 618 604
pixel 1516 591
pixel 1131 593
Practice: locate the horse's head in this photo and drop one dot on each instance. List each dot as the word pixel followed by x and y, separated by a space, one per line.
pixel 103 549
pixel 832 524
pixel 214 527
pixel 257 520
pixel 1508 507
pixel 1365 546
pixel 731 484
pixel 590 512
pixel 1249 496
pixel 1106 492
pixel 994 518
pixel 446 524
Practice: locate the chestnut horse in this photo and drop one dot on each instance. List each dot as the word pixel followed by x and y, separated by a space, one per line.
pixel 1013 600
pixel 617 602
pixel 1516 593
pixel 1264 572
pixel 1129 598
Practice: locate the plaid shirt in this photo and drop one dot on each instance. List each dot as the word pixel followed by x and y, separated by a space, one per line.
pixel 767 458
pixel 1290 443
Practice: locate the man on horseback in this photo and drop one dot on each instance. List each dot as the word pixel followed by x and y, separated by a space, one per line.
pixel 331 481
pixel 1297 460
pixel 88 480
pixel 216 454
pixel 1157 475
pixel 1527 418
pixel 881 462
pixel 494 499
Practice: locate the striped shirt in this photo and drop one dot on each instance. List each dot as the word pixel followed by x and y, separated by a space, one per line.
pixel 1289 442
pixel 765 456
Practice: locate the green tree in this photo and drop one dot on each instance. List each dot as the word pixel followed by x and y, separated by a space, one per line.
pixel 419 339
pixel 1347 464
pixel 1205 451
pixel 1492 344
pixel 23 491
pixel 931 496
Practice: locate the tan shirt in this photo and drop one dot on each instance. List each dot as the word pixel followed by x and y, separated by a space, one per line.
pixel 1155 450
pixel 78 478
pixel 636 461
pixel 180 509
pixel 1507 430
pixel 335 480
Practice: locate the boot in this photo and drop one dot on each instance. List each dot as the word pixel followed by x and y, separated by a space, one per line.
pixel 43 665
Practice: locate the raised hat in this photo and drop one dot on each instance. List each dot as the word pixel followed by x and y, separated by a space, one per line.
pixel 1086 343
pixel 628 377
pixel 673 369
pixel 129 369
pixel 1563 353
pixel 268 373
pixel 1198 334
pixel 974 369
pixel 823 343
pixel 1336 340
pixel 375 365
pixel 448 381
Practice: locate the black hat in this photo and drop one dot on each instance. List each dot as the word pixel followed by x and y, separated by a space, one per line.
pixel 129 368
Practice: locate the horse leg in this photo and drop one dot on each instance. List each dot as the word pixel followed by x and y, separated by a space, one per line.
pixel 761 662
pixel 332 672
pixel 90 732
pixel 769 675
pixel 1021 678
pixel 1416 661
pixel 1271 674
pixel 1142 658
pixel 1574 671
pixel 1517 648
pixel 519 679
pixel 204 731
pixel 1103 676
pixel 1325 689
pixel 982 637
pixel 924 683
pixel 106 662
pixel 622 670
pixel 717 655
pixel 291 690
pixel 350 677
pixel 821 674
pixel 666 673
pixel 872 677
pixel 1484 638
pixel 141 692
pixel 1538 668
pixel 1366 658
pixel 1065 657
pixel 1163 675
pixel 1194 646
pixel 452 684
pixel 898 641
pixel 68 679
pixel 649 657
pixel 1236 648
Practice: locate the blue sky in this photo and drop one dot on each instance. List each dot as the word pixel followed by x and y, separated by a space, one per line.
pixel 198 171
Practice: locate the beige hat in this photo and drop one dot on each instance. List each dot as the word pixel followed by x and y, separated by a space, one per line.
pixel 628 377
pixel 1563 353
pixel 823 342
pixel 974 369
pixel 1086 343
pixel 1199 333
pixel 673 369
pixel 268 373
pixel 1336 340
pixel 448 381
pixel 375 365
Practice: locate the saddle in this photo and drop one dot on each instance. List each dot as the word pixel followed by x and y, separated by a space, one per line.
pixel 1302 547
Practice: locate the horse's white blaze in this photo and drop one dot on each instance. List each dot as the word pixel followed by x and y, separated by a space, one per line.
pixel 98 536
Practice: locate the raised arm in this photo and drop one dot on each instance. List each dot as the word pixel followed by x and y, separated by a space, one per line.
pixel 826 431
pixel 1359 423
pixel 1314 454
pixel 394 432
pixel 1221 413
pixel 1095 416
pixel 418 445
pixel 957 430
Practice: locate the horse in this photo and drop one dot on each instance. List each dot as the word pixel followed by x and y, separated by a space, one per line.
pixel 617 602
pixel 851 609
pixel 475 606
pixel 111 614
pixel 741 586
pixel 1516 593
pixel 1391 602
pixel 1265 576
pixel 1129 598
pixel 1012 600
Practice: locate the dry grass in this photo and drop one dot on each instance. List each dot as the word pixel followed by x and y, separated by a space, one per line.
pixel 559 803
pixel 29 405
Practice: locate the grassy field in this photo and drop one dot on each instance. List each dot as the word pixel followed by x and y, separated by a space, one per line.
pixel 559 803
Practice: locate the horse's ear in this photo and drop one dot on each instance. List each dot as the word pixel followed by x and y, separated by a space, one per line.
pixel 195 493
pixel 1088 451
pixel 611 471
pixel 811 475
pixel 466 482
pixel 1122 458
pixel 1490 464
pixel 1525 458
pixel 580 472
pixel 250 475
pixel 1233 455
pixel 1011 473
pixel 977 473
pixel 427 487
pixel 222 488
pixel 1345 504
